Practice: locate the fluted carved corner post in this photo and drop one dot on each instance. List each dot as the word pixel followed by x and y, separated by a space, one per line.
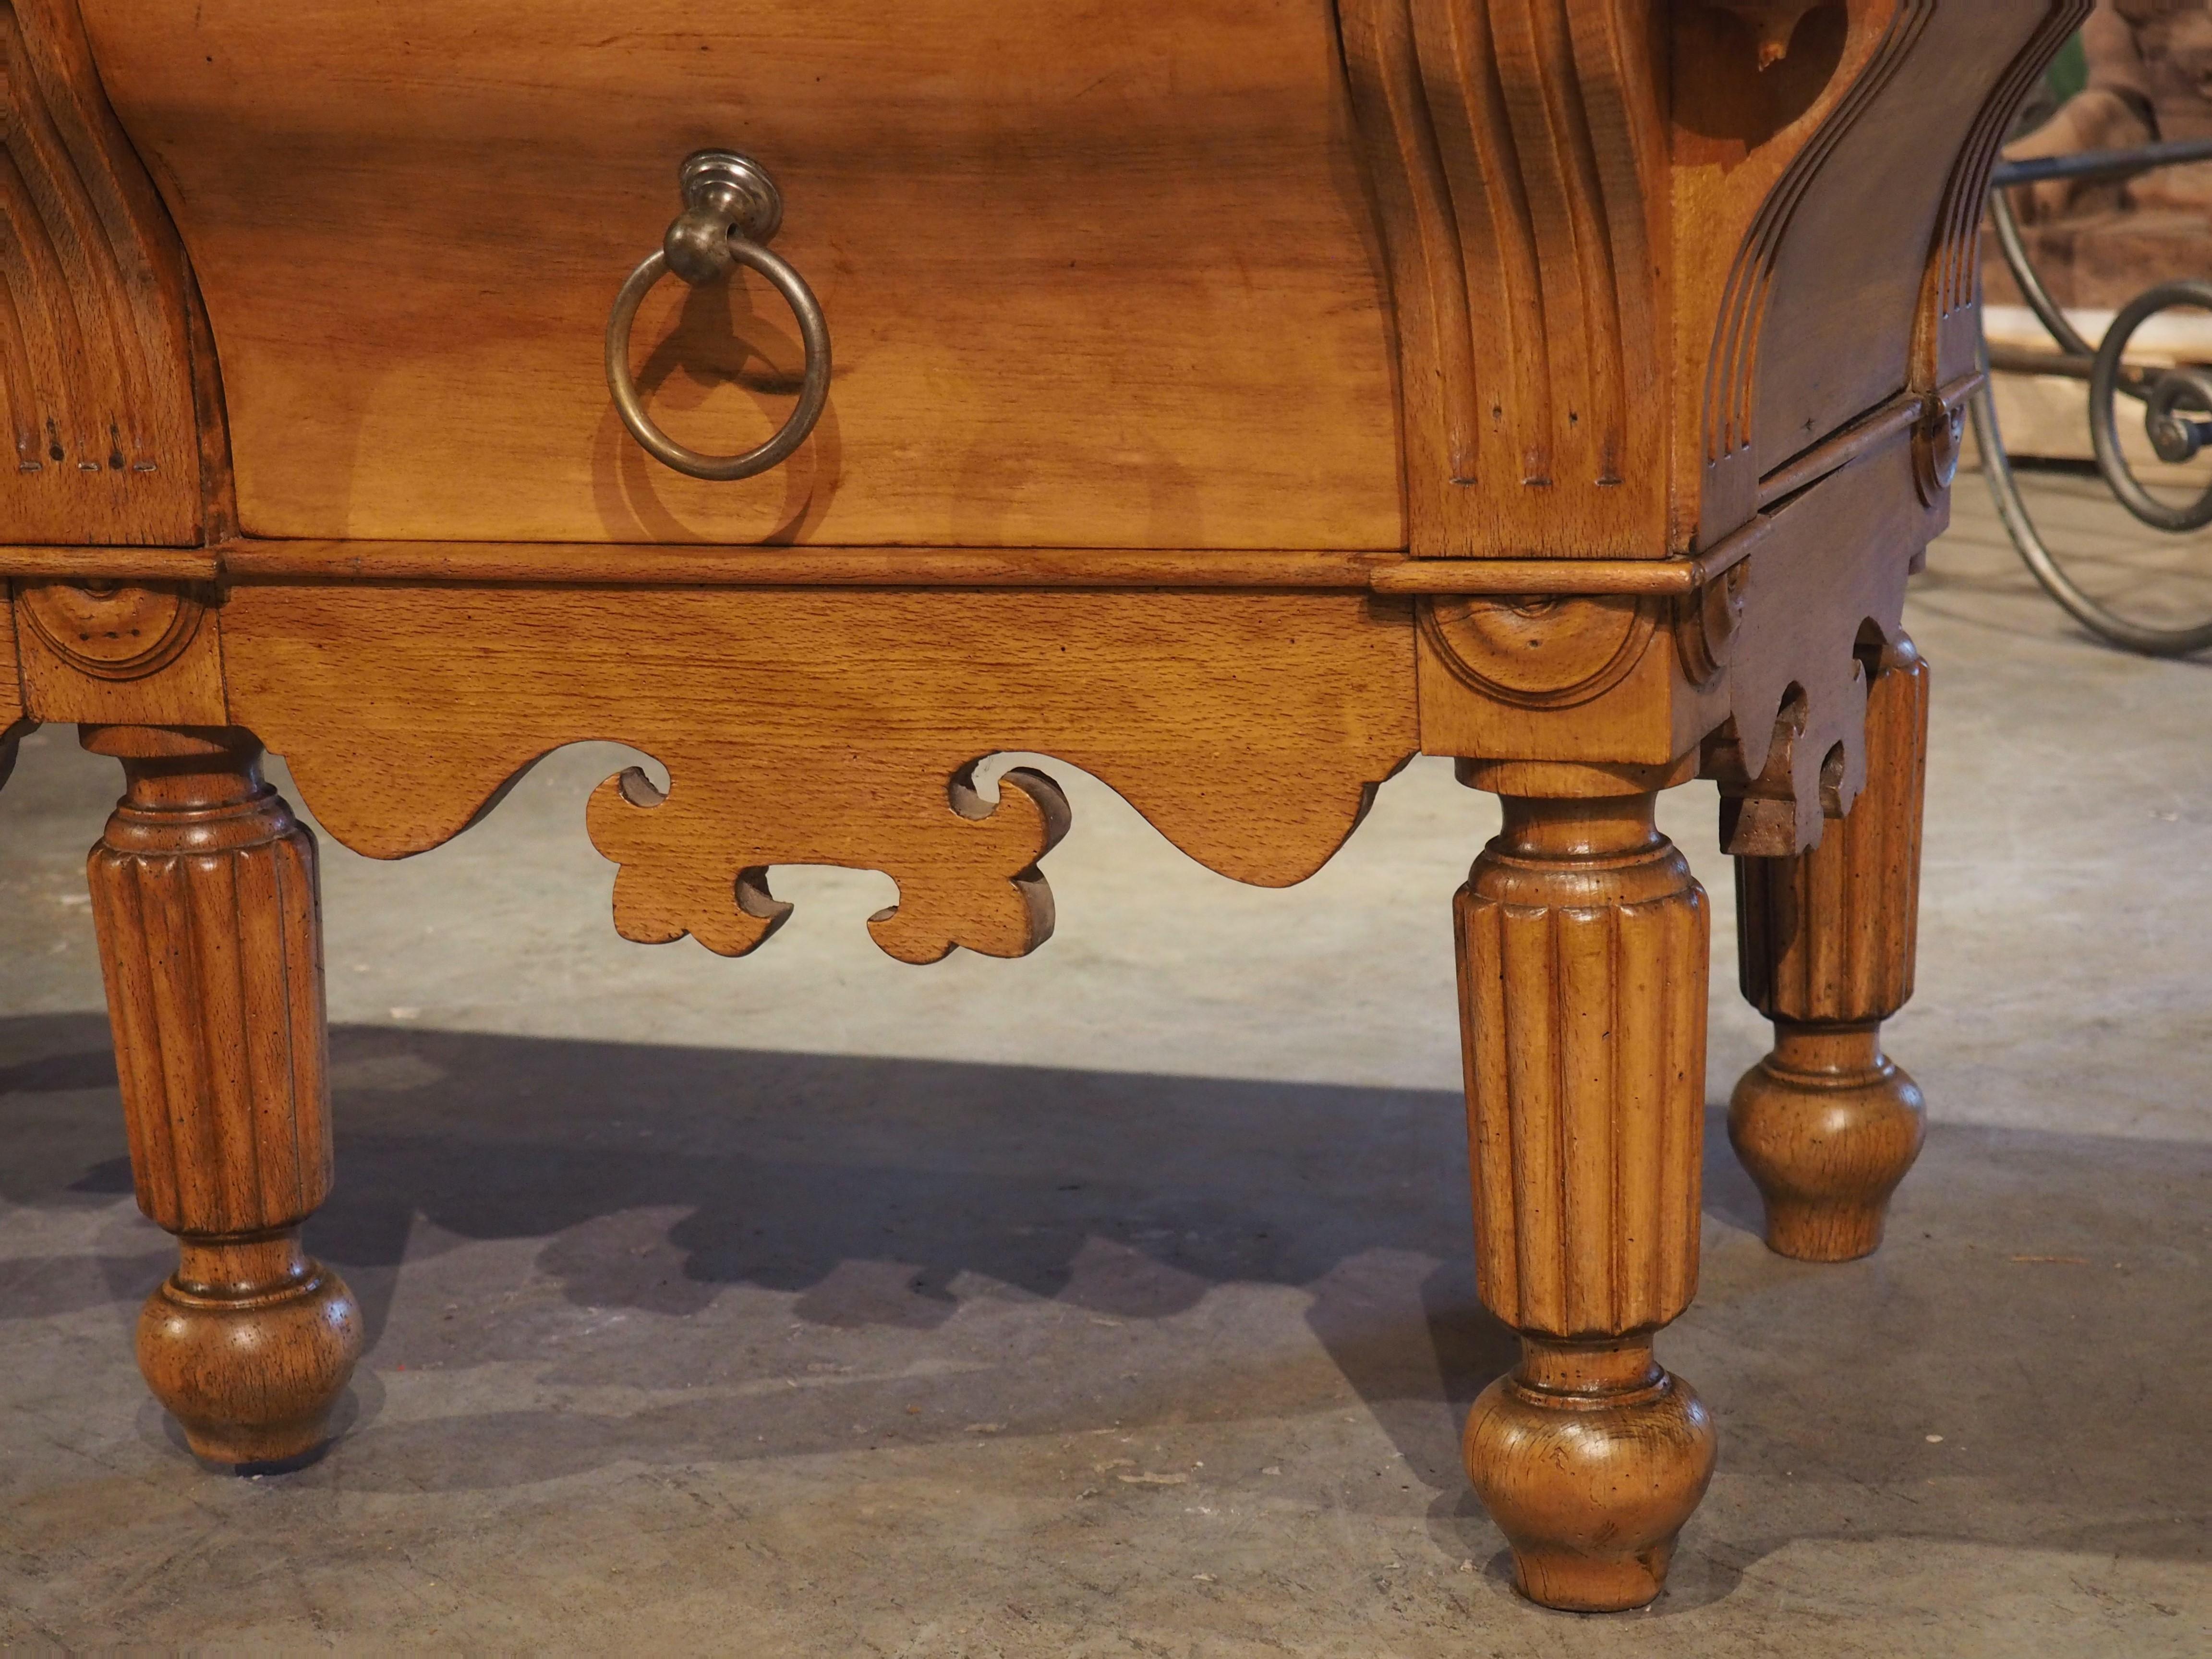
pixel 1827 1124
pixel 1583 942
pixel 211 940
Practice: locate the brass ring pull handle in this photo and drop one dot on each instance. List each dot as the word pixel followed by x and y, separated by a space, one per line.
pixel 730 207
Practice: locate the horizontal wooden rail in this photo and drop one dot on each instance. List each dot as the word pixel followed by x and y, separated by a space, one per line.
pixel 121 564
pixel 622 565
pixel 595 565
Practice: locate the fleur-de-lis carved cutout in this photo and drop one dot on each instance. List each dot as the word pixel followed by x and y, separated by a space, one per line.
pixel 695 859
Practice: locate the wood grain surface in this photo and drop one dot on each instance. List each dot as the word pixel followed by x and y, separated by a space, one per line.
pixel 95 365
pixel 552 564
pixel 12 706
pixel 1828 1124
pixel 629 565
pixel 803 727
pixel 1095 278
pixel 204 897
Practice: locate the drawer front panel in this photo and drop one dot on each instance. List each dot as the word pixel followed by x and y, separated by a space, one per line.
pixel 1096 275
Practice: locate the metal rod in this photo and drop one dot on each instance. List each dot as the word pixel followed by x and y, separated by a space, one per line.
pixel 2101 163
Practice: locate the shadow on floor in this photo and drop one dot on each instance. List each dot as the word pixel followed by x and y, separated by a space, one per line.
pixel 654 1179
pixel 1040 1247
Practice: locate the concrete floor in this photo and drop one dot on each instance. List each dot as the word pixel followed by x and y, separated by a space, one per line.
pixel 1118 1302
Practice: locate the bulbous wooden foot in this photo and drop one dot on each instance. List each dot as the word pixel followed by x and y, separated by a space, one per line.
pixel 1582 943
pixel 1590 1459
pixel 211 940
pixel 1828 1126
pixel 249 1344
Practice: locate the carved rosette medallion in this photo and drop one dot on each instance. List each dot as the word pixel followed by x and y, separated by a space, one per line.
pixel 1542 651
pixel 112 631
pixel 1706 624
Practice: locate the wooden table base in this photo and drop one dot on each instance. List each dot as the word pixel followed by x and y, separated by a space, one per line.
pixel 1827 1124
pixel 1583 943
pixel 1566 390
pixel 211 938
pixel 1582 948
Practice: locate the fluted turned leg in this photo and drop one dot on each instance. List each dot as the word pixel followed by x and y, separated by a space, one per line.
pixel 210 939
pixel 1582 949
pixel 1827 1124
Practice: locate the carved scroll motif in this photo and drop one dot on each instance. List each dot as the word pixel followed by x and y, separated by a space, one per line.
pixel 1882 43
pixel 1643 256
pixel 1948 332
pixel 1515 147
pixel 1856 278
pixel 1578 199
pixel 95 365
pixel 696 860
pixel 1649 265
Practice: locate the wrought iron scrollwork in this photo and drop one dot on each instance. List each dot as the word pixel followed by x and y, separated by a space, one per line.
pixel 2177 401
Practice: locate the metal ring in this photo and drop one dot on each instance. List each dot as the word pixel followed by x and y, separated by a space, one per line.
pixel 725 221
pixel 2169 390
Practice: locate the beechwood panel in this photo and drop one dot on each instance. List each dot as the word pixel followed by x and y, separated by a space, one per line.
pixel 1095 276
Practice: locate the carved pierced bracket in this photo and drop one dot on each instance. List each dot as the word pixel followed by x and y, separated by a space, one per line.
pixel 1791 753
pixel 804 727
pixel 696 860
pixel 1830 937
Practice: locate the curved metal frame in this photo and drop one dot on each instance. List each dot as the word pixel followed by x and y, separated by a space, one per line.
pixel 1996 467
pixel 2166 393
pixel 2171 391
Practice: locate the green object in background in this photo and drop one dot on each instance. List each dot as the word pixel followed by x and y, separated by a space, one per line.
pixel 2069 72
